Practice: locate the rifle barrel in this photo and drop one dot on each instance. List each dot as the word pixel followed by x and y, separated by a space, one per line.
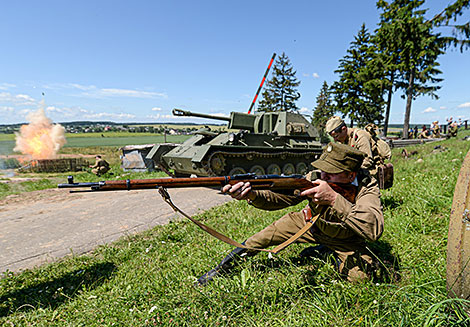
pixel 273 182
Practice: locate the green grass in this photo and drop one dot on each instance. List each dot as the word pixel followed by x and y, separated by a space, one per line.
pixel 147 279
pixel 7 141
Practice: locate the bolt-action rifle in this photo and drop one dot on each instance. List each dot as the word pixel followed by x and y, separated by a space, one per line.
pixel 264 182
pixel 292 184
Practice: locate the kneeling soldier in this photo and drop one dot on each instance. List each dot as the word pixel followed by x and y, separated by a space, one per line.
pixel 344 225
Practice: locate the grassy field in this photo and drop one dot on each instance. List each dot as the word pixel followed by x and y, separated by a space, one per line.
pixel 147 279
pixel 7 141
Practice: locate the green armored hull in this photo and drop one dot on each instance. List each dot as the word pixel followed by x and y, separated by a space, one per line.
pixel 266 143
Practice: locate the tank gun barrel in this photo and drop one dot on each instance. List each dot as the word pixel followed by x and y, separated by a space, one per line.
pixel 181 112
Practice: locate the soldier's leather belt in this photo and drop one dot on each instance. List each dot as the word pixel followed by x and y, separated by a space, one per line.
pixel 310 220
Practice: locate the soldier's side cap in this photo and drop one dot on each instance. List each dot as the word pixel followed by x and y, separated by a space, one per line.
pixel 337 158
pixel 332 123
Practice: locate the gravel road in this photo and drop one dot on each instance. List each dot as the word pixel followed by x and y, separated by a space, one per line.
pixel 41 226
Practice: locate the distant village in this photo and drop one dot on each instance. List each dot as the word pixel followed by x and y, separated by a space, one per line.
pixel 103 127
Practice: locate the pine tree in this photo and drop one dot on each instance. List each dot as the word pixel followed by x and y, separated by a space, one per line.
pixel 358 92
pixel 281 90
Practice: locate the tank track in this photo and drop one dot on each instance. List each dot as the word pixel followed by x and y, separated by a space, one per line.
pixel 220 158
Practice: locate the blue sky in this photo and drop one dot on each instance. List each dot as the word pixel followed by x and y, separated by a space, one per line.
pixel 134 61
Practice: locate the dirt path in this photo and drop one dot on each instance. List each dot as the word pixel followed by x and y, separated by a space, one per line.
pixel 39 227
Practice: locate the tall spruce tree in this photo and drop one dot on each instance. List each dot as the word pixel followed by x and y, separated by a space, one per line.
pixel 281 93
pixel 358 92
pixel 417 49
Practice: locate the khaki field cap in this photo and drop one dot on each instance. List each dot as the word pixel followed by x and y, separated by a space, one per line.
pixel 337 158
pixel 332 123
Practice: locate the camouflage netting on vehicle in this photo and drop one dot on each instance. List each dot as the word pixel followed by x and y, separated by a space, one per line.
pixel 55 165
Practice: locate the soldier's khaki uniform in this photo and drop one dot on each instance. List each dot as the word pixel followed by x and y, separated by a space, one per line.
pixel 100 167
pixel 361 140
pixel 343 228
pixel 453 129
pixel 436 130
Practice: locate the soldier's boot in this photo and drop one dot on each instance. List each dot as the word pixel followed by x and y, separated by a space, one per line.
pixel 223 267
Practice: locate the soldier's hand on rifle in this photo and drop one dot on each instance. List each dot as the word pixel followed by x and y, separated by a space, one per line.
pixel 321 193
pixel 239 191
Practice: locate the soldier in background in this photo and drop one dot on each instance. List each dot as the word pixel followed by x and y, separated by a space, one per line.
pixel 354 137
pixel 453 129
pixel 415 132
pixel 100 167
pixel 436 130
pixel 424 133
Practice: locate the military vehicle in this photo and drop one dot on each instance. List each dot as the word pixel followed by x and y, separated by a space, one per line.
pixel 266 143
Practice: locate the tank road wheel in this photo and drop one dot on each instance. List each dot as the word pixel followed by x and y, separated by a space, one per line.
pixel 258 170
pixel 301 168
pixel 237 171
pixel 288 169
pixel 273 169
pixel 217 164
pixel 458 241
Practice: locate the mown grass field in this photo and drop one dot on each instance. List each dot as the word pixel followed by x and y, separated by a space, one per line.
pixel 147 279
pixel 116 139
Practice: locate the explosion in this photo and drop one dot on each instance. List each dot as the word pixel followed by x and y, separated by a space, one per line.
pixel 40 138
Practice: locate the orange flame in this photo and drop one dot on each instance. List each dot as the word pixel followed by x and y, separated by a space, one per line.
pixel 40 139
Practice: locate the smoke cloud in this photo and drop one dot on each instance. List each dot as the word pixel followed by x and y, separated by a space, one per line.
pixel 40 138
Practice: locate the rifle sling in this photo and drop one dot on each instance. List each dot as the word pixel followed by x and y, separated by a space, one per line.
pixel 166 196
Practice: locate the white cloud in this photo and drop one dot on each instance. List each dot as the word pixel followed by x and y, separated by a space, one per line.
pixel 443 107
pixel 428 110
pixel 66 112
pixel 464 105
pixel 7 110
pixel 159 116
pixel 6 86
pixel 19 99
pixel 314 75
pixel 94 92
pixel 108 115
pixel 130 93
pixel 156 109
pixel 304 111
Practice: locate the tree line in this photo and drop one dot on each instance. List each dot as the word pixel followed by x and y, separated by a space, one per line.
pixel 400 55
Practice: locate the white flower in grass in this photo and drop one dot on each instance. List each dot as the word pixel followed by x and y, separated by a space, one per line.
pixel 152 309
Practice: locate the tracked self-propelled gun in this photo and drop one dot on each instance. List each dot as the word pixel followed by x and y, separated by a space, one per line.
pixel 266 143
